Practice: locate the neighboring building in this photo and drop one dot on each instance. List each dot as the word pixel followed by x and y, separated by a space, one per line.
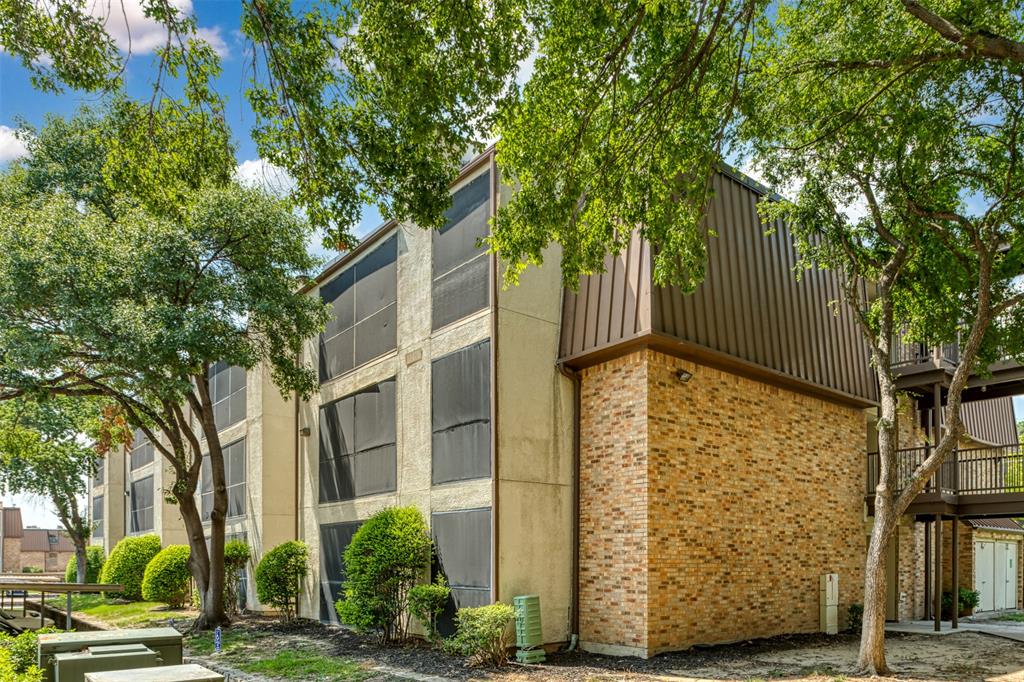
pixel 663 469
pixel 31 549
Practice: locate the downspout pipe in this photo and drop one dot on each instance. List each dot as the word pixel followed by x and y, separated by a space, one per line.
pixel 574 592
pixel 495 488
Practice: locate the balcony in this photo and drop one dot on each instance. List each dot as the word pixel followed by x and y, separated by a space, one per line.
pixel 919 368
pixel 972 482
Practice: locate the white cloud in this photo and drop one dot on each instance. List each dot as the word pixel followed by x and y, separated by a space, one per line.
pixel 10 146
pixel 260 173
pixel 134 32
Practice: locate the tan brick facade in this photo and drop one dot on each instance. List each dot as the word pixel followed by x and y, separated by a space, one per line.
pixel 709 509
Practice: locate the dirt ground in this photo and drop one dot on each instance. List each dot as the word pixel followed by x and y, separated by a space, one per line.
pixel 966 656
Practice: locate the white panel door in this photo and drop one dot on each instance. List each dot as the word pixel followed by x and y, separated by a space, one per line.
pixel 999 576
pixel 1010 579
pixel 984 555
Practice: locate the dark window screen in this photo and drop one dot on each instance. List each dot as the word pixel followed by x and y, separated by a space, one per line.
pixel 463 541
pixel 460 265
pixel 234 475
pixel 227 391
pixel 357 444
pixel 334 538
pixel 142 505
pixel 364 320
pixel 97 516
pixel 101 468
pixel 461 414
pixel 142 450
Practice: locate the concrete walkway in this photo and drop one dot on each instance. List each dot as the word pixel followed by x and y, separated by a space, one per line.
pixel 1008 629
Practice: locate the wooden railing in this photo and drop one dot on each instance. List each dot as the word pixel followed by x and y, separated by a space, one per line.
pixel 972 471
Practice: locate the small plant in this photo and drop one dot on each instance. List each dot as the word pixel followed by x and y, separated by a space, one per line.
pixel 426 602
pixel 9 673
pixel 236 556
pixel 968 599
pixel 31 569
pixel 127 563
pixel 167 578
pixel 94 559
pixel 383 562
pixel 854 618
pixel 279 576
pixel 481 634
pixel 19 653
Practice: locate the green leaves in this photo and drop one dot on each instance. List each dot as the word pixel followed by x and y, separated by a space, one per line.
pixel 619 127
pixel 374 101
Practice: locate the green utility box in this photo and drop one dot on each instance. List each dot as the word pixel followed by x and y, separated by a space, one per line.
pixel 166 642
pixel 72 666
pixel 529 636
pixel 166 673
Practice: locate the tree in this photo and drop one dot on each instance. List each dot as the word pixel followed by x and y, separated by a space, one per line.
pixel 44 452
pixel 104 293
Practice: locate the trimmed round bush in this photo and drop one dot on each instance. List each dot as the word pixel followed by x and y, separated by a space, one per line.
pixel 279 576
pixel 167 577
pixel 94 559
pixel 385 559
pixel 127 562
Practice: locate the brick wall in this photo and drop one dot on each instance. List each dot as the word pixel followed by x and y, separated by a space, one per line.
pixel 711 508
pixel 613 504
pixel 12 555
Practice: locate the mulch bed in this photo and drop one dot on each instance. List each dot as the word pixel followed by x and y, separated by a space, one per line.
pixel 568 666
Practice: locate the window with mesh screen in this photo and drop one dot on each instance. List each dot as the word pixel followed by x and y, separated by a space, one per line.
pixel 363 298
pixel 463 543
pixel 334 539
pixel 357 444
pixel 142 450
pixel 97 516
pixel 461 414
pixel 101 468
pixel 234 478
pixel 142 505
pixel 227 392
pixel 461 276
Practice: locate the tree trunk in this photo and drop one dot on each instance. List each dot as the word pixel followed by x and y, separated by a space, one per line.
pixel 80 561
pixel 212 610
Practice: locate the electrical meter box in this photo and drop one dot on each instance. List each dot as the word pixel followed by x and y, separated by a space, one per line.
pixel 166 642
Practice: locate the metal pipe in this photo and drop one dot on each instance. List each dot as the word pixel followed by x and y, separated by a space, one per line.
pixel 495 488
pixel 937 590
pixel 574 593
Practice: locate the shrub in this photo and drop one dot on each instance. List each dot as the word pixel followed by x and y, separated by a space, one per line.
pixel 236 556
pixel 94 559
pixel 855 618
pixel 31 569
pixel 969 599
pixel 8 672
pixel 167 577
pixel 279 576
pixel 481 634
pixel 386 556
pixel 19 653
pixel 126 564
pixel 426 602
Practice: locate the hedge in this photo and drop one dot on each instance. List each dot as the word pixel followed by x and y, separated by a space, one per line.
pixel 279 576
pixel 94 559
pixel 127 562
pixel 167 577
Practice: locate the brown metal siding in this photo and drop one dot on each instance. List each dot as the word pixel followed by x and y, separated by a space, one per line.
pixel 38 540
pixel 752 306
pixel 612 306
pixel 990 421
pixel 12 522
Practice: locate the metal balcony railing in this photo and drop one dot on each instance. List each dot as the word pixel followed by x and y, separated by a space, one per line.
pixel 904 354
pixel 971 471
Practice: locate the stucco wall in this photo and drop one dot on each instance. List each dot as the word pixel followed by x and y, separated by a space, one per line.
pixel 713 506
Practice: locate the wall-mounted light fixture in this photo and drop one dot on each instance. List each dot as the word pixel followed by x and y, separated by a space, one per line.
pixel 305 431
pixel 683 375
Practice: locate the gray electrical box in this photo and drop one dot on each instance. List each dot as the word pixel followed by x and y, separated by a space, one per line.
pixel 166 642
pixel 168 673
pixel 72 666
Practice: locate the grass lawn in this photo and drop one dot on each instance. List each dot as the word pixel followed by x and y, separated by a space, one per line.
pixel 1015 617
pixel 124 614
pixel 245 649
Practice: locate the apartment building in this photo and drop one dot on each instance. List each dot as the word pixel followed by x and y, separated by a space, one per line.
pixel 29 548
pixel 662 469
